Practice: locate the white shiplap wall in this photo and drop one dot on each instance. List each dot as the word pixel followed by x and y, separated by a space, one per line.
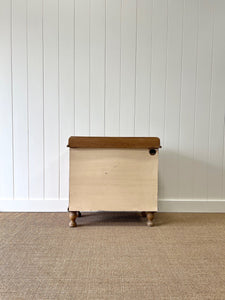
pixel 113 68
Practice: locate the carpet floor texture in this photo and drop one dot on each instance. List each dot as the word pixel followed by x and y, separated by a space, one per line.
pixel 112 256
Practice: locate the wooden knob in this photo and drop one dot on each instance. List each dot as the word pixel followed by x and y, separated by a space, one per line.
pixel 152 151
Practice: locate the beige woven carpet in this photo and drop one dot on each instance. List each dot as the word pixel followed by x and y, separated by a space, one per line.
pixel 112 256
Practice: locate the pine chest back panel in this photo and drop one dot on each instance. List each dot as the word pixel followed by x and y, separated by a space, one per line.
pixel 113 179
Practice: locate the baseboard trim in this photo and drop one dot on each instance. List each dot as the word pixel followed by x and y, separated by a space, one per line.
pixel 168 205
pixel 207 206
pixel 33 205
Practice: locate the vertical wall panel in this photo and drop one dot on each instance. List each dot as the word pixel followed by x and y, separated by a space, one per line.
pixel 188 99
pixel 20 103
pixel 82 67
pixel 66 88
pixel 158 67
pixel 6 149
pixel 51 99
pixel 113 64
pixel 143 66
pixel 217 108
pixel 35 99
pixel 203 99
pixel 173 92
pixel 97 67
pixel 158 78
pixel 128 67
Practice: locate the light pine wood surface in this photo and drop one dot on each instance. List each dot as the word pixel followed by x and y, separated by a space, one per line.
pixel 113 180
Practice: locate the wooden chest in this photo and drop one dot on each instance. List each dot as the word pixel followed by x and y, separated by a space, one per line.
pixel 113 174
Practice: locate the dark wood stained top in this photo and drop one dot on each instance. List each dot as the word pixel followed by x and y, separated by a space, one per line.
pixel 114 142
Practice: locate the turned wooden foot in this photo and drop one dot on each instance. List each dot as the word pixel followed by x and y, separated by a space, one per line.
pixel 150 216
pixel 72 215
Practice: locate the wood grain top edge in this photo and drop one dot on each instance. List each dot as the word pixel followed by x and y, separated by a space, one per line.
pixel 114 142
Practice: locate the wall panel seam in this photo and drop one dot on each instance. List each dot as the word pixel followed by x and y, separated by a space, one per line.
pixel 104 68
pixel 27 91
pixel 74 65
pixel 43 95
pixel 121 9
pixel 12 106
pixel 59 102
pixel 210 101
pixel 180 102
pixel 223 159
pixel 166 70
pixel 196 100
pixel 89 75
pixel 135 68
pixel 150 70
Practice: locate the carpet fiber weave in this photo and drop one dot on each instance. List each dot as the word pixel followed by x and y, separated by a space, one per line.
pixel 112 256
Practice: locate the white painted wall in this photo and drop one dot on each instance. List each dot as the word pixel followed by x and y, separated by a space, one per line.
pixel 113 68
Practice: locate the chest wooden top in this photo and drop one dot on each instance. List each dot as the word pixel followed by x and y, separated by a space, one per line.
pixel 114 142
